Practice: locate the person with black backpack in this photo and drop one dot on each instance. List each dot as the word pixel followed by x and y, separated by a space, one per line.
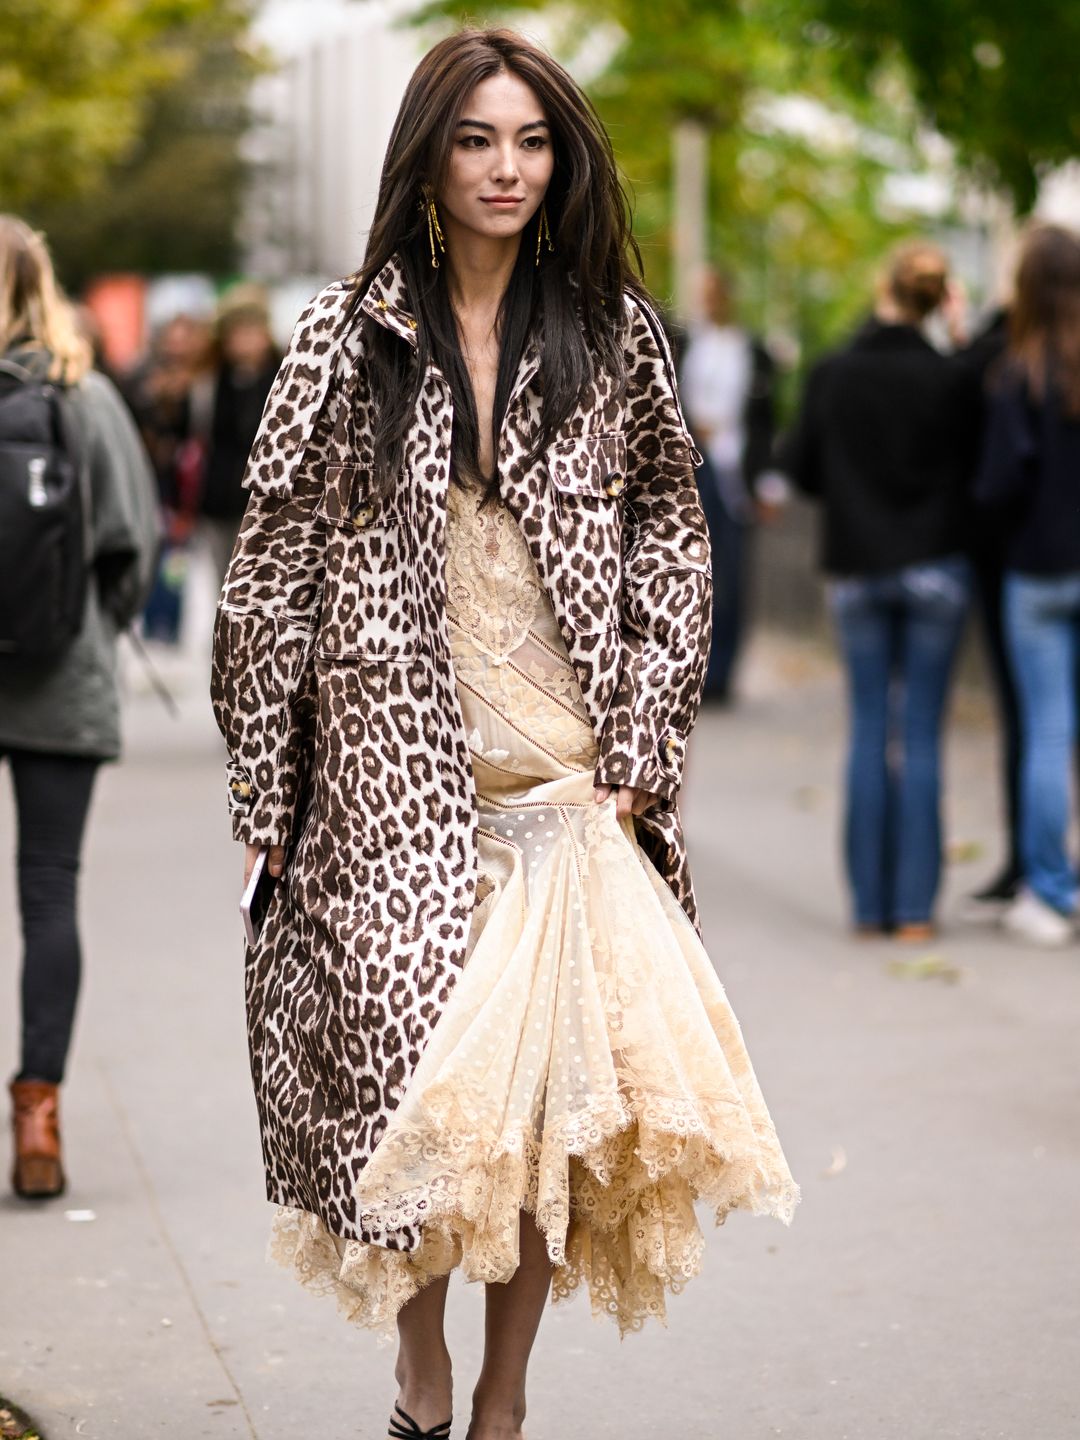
pixel 78 538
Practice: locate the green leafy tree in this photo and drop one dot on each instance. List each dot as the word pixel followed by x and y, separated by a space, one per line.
pixel 995 77
pixel 122 124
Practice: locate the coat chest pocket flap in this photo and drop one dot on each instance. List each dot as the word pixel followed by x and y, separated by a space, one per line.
pixel 591 465
pixel 369 604
pixel 588 477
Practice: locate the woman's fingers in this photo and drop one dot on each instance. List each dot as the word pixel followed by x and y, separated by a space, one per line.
pixel 628 801
pixel 275 860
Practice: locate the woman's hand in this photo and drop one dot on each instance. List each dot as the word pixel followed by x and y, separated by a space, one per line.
pixel 276 860
pixel 628 801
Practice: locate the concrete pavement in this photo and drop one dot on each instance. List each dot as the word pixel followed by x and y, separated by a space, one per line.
pixel 927 1291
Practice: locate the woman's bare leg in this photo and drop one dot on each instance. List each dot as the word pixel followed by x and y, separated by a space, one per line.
pixel 423 1362
pixel 511 1322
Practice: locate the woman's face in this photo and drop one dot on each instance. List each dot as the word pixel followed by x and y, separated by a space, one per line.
pixel 500 163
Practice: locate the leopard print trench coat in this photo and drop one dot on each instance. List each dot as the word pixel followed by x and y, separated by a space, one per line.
pixel 333 687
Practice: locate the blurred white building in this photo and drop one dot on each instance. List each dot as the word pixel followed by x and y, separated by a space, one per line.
pixel 325 117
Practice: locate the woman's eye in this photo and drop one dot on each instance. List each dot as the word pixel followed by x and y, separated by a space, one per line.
pixel 473 142
pixel 535 142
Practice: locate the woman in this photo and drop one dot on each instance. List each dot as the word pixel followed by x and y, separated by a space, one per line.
pixel 247 361
pixel 880 445
pixel 460 649
pixel 59 710
pixel 170 394
pixel 1030 475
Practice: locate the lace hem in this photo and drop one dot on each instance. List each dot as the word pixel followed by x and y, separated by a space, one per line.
pixel 617 1215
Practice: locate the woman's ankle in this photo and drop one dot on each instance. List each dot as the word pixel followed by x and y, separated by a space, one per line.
pixel 496 1413
pixel 425 1388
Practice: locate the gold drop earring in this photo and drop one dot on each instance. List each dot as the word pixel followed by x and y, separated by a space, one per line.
pixel 434 230
pixel 543 234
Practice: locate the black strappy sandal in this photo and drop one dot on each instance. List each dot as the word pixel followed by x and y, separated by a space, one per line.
pixel 399 1432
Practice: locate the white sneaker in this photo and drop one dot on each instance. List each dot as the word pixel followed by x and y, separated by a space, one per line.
pixel 1031 919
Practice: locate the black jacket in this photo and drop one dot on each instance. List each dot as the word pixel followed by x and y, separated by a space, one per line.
pixel 1029 476
pixel 880 442
pixel 238 408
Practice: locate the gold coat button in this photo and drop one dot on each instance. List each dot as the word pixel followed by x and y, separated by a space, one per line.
pixel 363 515
pixel 615 484
pixel 241 788
pixel 670 747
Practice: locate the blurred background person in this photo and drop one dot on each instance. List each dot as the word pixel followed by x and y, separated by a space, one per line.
pixel 987 546
pixel 879 442
pixel 728 382
pixel 170 395
pixel 247 362
pixel 70 462
pixel 1030 476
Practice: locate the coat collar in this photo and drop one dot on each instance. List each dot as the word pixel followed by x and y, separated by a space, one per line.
pixel 881 335
pixel 387 301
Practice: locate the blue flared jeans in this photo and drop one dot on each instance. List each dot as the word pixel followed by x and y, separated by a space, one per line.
pixel 1042 630
pixel 899 634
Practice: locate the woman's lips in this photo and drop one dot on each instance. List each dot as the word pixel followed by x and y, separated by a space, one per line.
pixel 503 200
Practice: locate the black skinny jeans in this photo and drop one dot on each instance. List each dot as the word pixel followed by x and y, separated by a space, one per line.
pixel 52 798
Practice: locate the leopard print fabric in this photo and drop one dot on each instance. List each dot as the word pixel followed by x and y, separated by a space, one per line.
pixel 333 686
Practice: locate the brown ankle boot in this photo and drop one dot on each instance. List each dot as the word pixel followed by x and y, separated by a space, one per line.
pixel 38 1172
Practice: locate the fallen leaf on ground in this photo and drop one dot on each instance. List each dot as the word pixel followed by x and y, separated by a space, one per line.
pixel 926 967
pixel 836 1165
pixel 964 852
pixel 15 1424
pixel 808 797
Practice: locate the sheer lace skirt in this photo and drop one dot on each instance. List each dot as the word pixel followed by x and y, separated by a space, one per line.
pixel 588 1068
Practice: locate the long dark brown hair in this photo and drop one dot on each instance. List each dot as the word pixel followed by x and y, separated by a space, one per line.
pixel 572 300
pixel 1044 323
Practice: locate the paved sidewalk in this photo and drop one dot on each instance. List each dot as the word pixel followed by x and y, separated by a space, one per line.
pixel 927 1291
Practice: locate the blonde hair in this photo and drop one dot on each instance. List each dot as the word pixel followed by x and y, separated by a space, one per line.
pixel 33 310
pixel 917 279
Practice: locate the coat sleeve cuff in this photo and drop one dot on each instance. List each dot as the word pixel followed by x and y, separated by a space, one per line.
pixel 644 756
pixel 256 818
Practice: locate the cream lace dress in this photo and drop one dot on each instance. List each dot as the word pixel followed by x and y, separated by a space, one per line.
pixel 588 1067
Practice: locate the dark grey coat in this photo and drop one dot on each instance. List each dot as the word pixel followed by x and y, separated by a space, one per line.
pixel 71 705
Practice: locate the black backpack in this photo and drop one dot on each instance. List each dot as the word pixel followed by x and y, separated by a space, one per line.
pixel 44 515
